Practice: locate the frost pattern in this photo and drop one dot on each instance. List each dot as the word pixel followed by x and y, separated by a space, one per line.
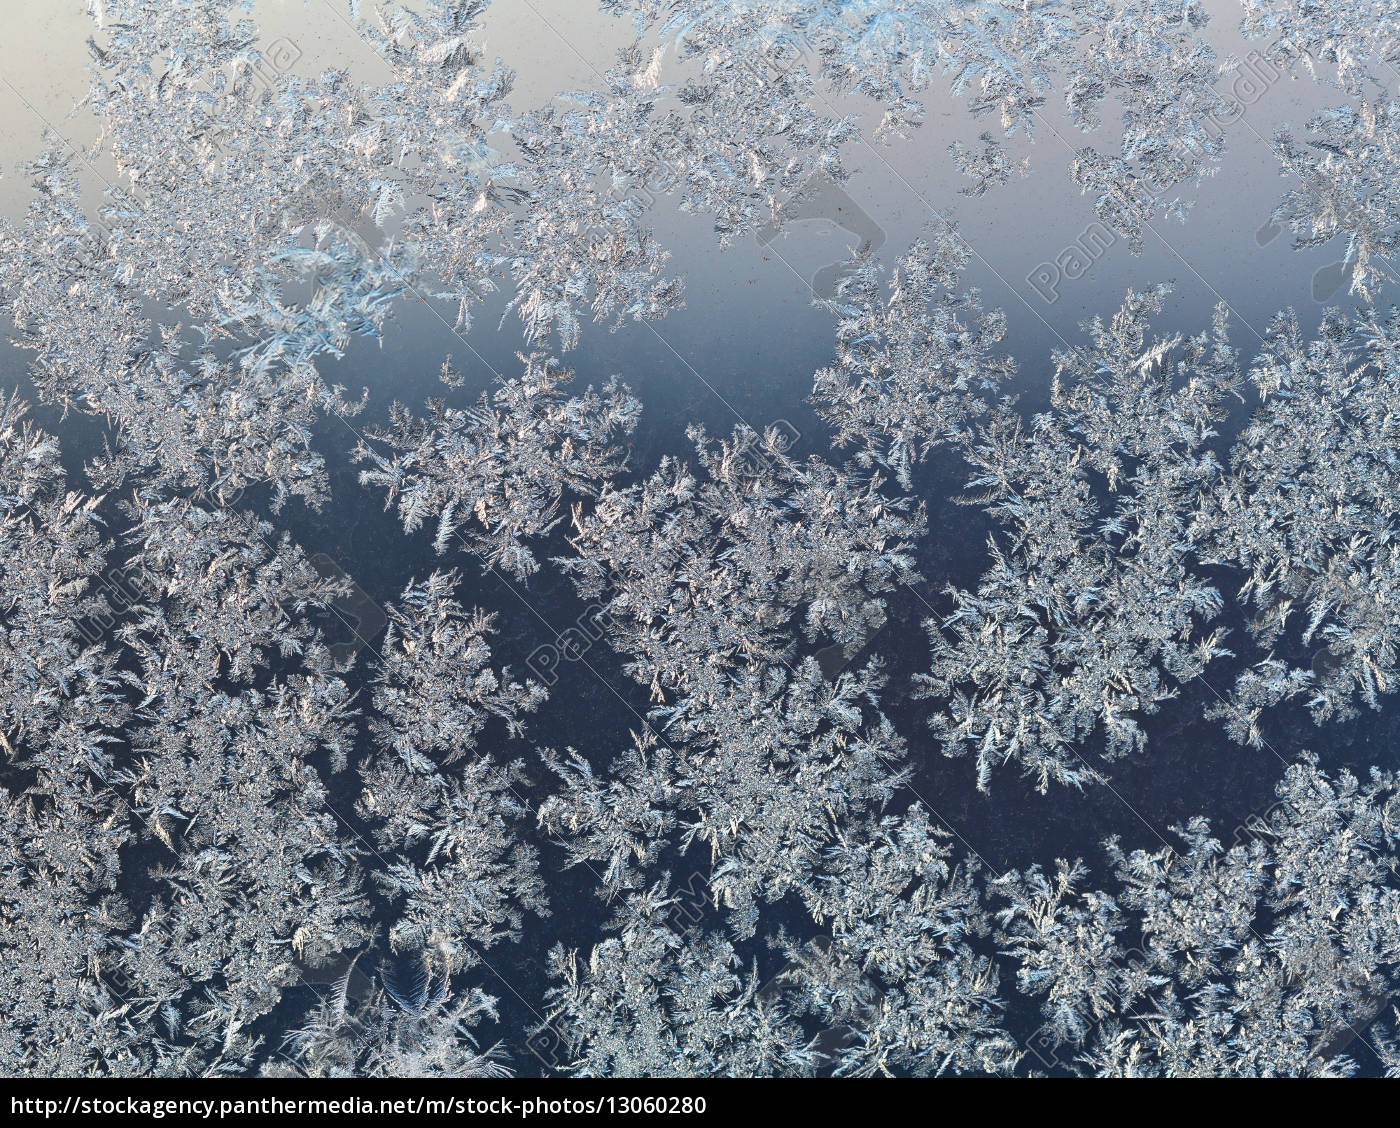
pixel 1250 961
pixel 501 468
pixel 229 851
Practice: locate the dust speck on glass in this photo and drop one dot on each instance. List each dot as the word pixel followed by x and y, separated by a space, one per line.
pixel 693 538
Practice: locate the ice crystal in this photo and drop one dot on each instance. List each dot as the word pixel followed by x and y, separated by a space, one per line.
pixel 898 974
pixel 708 568
pixel 647 1003
pixel 419 1031
pixel 1346 172
pixel 501 468
pixel 914 369
pixel 1089 615
pixel 1308 510
pixel 1249 961
pixel 766 767
pixel 447 837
